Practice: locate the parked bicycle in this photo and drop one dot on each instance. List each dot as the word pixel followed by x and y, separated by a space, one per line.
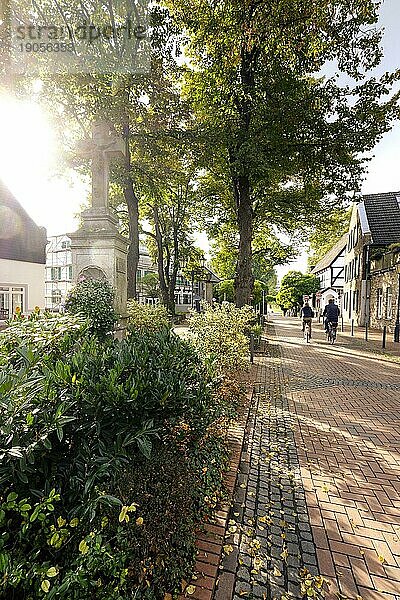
pixel 331 333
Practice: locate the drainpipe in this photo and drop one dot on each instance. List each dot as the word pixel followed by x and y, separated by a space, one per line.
pixel 397 327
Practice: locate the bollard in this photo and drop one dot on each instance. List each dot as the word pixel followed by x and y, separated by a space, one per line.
pixel 251 347
pixel 397 333
pixel 352 327
pixel 384 337
pixel 342 325
pixel 366 332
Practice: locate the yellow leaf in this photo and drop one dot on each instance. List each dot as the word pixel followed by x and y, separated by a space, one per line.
pixel 325 487
pixel 74 522
pixel 45 585
pixel 83 547
pixel 190 589
pixel 61 522
pixel 228 549
pixel 381 559
pixel 277 572
pixel 284 554
pixel 139 521
pixel 52 572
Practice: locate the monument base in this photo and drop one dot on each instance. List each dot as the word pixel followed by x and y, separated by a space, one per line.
pixel 99 251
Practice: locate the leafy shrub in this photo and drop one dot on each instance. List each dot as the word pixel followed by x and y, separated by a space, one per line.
pixel 87 509
pixel 219 334
pixel 95 300
pixel 46 334
pixel 146 318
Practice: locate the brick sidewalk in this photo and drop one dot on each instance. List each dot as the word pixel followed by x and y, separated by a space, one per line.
pixel 347 405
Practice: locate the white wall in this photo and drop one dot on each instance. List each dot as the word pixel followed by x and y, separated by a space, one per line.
pixel 31 275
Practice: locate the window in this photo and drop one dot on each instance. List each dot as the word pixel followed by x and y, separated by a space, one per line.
pixel 389 307
pixel 11 298
pixel 65 244
pixel 70 272
pixel 55 273
pixel 56 297
pixel 379 303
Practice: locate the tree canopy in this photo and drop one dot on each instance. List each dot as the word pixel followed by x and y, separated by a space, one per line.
pixel 283 140
pixel 294 286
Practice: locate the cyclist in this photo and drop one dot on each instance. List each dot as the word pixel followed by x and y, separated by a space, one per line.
pixel 331 314
pixel 307 315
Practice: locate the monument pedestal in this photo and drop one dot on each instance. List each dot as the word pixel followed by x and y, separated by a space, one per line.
pixel 99 251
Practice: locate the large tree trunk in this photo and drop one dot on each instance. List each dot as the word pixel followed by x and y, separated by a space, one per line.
pixel 132 203
pixel 244 280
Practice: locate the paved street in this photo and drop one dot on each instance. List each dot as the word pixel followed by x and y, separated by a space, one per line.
pixel 319 485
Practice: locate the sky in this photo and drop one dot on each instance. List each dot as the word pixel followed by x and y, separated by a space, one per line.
pixel 30 155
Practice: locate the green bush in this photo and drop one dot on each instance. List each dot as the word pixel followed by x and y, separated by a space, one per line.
pixel 94 300
pixel 220 335
pixel 147 318
pixel 110 454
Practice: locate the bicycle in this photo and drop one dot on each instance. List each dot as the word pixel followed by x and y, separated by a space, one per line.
pixel 331 334
pixel 307 330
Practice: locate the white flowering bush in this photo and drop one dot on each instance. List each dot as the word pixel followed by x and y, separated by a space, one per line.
pixel 147 318
pixel 220 335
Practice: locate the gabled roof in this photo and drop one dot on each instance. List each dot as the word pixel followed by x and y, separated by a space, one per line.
pixel 214 278
pixel 383 215
pixel 20 238
pixel 331 256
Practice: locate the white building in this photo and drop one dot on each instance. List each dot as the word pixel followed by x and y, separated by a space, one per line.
pixel 22 258
pixel 58 271
pixel 331 273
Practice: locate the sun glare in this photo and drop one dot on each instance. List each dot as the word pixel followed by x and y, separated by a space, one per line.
pixel 29 157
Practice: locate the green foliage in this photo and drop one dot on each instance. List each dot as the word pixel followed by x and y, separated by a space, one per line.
pixel 224 291
pixel 94 299
pixel 219 334
pixel 328 230
pixel 109 457
pixel 293 286
pixel 147 318
pixel 283 143
pixel 47 334
pixel 150 285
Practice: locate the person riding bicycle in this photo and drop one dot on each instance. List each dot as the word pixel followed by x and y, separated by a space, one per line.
pixel 331 314
pixel 307 314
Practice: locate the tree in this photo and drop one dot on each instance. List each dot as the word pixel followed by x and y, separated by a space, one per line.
pixel 225 290
pixel 150 285
pixel 76 100
pixel 286 138
pixel 294 286
pixel 327 233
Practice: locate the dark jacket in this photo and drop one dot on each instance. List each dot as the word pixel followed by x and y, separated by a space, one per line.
pixel 306 312
pixel 331 312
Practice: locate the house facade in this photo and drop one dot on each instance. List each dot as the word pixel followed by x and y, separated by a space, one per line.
pixel 58 271
pixel 330 272
pixel 371 288
pixel 22 258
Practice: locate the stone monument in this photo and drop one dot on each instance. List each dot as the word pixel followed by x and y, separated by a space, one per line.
pixel 99 251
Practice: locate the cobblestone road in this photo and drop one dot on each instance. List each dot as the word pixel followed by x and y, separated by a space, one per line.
pixel 319 483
